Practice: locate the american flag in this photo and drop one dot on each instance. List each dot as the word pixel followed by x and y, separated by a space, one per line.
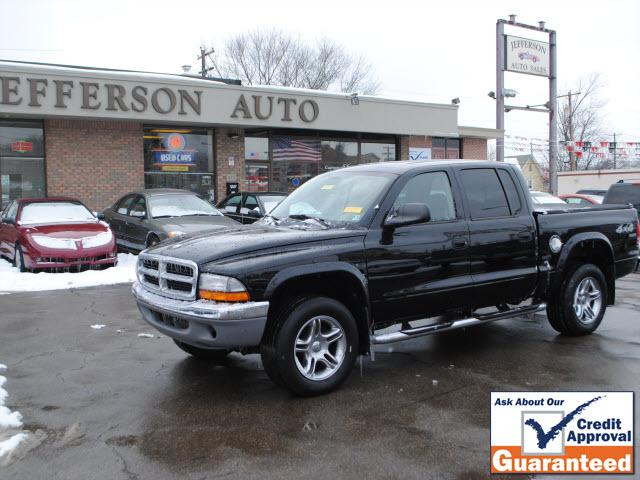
pixel 286 149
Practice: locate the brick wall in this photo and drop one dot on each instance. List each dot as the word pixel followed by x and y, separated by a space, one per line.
pixel 474 148
pixel 226 147
pixel 419 141
pixel 403 142
pixel 92 160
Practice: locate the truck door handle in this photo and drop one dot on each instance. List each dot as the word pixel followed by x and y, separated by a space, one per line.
pixel 524 236
pixel 459 243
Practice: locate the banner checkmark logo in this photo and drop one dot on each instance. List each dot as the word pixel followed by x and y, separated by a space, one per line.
pixel 545 437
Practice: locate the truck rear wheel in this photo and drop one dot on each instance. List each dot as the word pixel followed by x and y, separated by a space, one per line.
pixel 203 353
pixel 581 303
pixel 311 347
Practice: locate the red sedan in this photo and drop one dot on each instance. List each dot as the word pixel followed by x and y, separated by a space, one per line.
pixel 56 234
pixel 581 199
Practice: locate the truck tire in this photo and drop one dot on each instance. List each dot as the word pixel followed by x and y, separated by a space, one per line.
pixel 203 353
pixel 311 346
pixel 581 303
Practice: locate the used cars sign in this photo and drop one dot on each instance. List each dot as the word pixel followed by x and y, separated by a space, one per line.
pixel 524 55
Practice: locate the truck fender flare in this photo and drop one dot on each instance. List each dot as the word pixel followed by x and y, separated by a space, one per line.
pixel 326 267
pixel 576 240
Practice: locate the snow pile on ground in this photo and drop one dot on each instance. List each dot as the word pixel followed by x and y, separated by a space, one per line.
pixel 8 420
pixel 12 280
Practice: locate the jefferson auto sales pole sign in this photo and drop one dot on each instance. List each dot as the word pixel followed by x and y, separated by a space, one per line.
pixel 524 55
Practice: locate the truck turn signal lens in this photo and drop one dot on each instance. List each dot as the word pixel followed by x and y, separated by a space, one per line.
pixel 223 296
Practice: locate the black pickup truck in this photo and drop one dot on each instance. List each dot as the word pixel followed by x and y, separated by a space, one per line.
pixel 418 247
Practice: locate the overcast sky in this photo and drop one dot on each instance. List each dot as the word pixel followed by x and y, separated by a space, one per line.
pixel 431 51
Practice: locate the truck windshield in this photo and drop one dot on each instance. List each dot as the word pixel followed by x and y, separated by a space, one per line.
pixel 333 199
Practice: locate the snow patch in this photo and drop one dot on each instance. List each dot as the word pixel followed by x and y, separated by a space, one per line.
pixel 98 326
pixel 12 280
pixel 9 445
pixel 8 420
pixel 145 335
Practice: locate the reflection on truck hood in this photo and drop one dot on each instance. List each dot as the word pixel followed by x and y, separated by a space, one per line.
pixel 227 242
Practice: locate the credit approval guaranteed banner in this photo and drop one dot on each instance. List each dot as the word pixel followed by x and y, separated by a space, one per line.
pixel 562 432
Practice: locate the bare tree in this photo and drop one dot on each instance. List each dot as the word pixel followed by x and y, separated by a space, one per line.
pixel 274 57
pixel 580 121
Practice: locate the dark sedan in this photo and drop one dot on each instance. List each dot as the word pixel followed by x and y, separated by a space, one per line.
pixel 145 218
pixel 250 206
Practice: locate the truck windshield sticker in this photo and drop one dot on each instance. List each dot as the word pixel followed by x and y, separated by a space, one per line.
pixel 352 210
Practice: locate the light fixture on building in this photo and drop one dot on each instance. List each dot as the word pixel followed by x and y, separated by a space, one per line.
pixel 492 95
pixel 233 134
pixel 455 101
pixel 186 69
pixel 512 18
pixel 354 99
pixel 542 24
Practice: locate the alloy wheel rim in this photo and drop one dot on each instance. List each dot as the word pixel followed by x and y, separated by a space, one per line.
pixel 320 347
pixel 587 300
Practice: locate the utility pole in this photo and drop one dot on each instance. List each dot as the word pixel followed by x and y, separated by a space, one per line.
pixel 500 89
pixel 203 61
pixel 615 151
pixel 572 156
pixel 553 114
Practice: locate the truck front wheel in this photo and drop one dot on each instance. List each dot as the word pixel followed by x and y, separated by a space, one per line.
pixel 311 346
pixel 581 303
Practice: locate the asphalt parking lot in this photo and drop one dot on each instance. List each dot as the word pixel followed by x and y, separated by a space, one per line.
pixel 108 404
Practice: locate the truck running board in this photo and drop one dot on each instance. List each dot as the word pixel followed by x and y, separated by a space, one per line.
pixel 454 325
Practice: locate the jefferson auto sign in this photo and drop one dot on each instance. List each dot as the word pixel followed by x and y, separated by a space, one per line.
pixel 524 55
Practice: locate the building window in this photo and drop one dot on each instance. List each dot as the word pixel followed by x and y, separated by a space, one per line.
pixel 21 160
pixel 445 148
pixel 179 158
pixel 338 154
pixel 294 161
pixel 377 152
pixel 282 160
pixel 256 164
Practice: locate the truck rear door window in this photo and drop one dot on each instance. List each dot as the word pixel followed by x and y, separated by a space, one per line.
pixel 485 195
pixel 511 191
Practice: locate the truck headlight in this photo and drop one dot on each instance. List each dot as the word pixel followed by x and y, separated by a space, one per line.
pixel 221 289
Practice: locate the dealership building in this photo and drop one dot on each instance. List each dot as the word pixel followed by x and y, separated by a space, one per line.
pixel 96 134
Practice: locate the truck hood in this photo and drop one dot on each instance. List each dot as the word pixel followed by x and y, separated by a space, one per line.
pixel 208 247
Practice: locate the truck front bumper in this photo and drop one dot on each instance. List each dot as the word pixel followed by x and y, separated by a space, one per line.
pixel 202 323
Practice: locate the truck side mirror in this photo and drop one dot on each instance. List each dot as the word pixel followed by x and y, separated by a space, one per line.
pixel 408 214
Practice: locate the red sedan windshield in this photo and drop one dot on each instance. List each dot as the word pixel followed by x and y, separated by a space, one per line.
pixel 55 212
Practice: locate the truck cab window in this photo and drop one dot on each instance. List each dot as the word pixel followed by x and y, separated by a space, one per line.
pixel 432 189
pixel 511 191
pixel 484 193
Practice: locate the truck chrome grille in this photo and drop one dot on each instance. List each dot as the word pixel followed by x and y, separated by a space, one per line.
pixel 167 276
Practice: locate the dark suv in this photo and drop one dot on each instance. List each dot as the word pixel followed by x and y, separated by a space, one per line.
pixel 624 192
